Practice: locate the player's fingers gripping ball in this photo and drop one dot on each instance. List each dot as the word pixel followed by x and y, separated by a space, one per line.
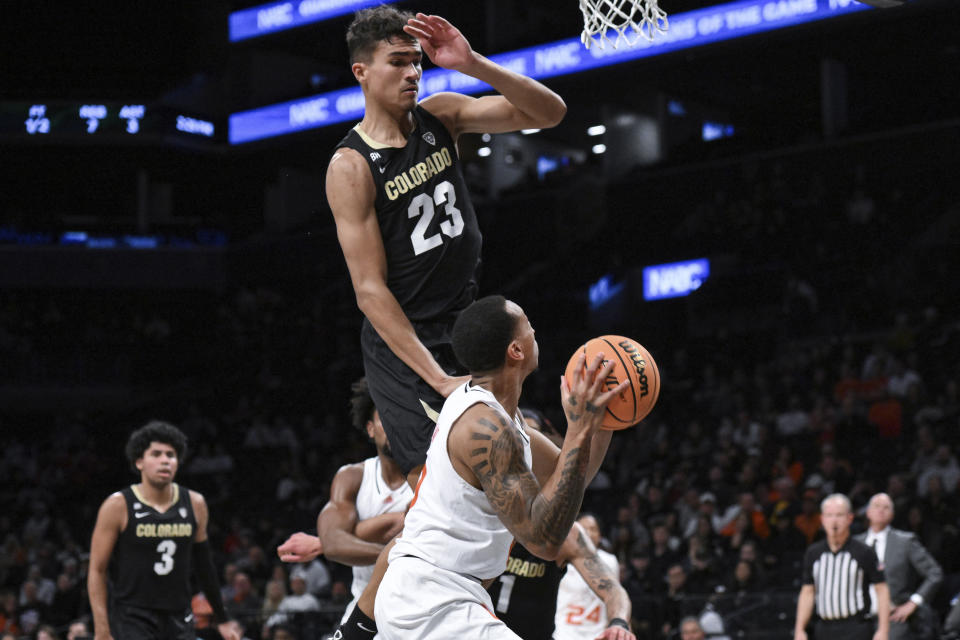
pixel 631 362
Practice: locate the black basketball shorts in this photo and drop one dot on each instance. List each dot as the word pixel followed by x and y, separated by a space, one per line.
pixel 128 622
pixel 400 394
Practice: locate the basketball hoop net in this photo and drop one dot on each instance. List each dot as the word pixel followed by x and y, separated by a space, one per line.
pixel 643 17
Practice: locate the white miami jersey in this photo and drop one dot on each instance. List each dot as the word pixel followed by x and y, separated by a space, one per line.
pixel 451 523
pixel 374 498
pixel 580 613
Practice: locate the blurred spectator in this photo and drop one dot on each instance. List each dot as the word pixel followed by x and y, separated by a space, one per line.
pixel 45 588
pixel 808 520
pixel 67 602
pixel 78 630
pixel 32 611
pixel 298 601
pixel 945 467
pixel 244 605
pixel 690 629
pixel 46 632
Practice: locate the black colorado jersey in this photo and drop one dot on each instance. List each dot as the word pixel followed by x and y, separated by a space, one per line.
pixel 525 594
pixel 430 232
pixel 150 567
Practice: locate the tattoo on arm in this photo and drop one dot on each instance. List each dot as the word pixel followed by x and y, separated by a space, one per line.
pixel 595 573
pixel 543 515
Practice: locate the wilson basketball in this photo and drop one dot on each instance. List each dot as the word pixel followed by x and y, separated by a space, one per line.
pixel 631 361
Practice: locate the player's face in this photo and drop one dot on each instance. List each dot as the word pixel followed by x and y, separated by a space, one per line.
pixel 526 336
pixel 836 518
pixel 880 511
pixel 159 463
pixel 378 435
pixel 589 523
pixel 392 76
pixel 691 631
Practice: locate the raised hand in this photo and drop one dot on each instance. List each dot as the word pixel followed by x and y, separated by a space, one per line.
pixel 584 401
pixel 441 41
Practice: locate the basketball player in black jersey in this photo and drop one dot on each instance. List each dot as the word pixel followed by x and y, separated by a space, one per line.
pixel 147 537
pixel 404 218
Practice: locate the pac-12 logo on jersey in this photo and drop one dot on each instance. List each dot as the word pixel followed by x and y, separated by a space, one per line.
pixel 428 137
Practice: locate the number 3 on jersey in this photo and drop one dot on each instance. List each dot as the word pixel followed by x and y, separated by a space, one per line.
pixel 422 206
pixel 166 549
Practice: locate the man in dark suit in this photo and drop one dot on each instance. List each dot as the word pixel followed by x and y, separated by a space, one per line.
pixel 913 575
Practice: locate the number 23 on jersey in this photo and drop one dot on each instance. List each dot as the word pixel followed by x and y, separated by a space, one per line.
pixel 424 207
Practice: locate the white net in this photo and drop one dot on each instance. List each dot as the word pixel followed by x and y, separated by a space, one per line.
pixel 630 19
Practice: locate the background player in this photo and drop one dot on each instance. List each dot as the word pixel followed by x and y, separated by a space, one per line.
pixel 149 535
pixel 525 595
pixel 487 481
pixel 365 511
pixel 590 602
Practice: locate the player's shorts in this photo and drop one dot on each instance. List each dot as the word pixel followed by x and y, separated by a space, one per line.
pixel 128 622
pixel 399 394
pixel 419 600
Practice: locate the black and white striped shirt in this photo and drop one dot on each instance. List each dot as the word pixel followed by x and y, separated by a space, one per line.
pixel 841 580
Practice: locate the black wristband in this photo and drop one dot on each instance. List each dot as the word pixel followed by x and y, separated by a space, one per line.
pixel 619 622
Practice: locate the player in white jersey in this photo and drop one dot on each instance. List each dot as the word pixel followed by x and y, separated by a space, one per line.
pixel 366 507
pixel 487 480
pixel 581 614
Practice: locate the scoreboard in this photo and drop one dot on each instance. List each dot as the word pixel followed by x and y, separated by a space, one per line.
pixel 103 122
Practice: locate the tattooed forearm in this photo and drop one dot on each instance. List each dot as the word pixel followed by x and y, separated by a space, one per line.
pixel 602 580
pixel 539 516
pixel 553 513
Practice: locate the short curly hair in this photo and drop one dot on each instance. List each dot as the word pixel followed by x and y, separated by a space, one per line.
pixel 155 431
pixel 361 405
pixel 482 333
pixel 372 26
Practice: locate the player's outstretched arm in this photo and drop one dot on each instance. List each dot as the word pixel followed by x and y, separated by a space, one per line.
pixel 523 102
pixel 580 551
pixel 111 519
pixel 484 443
pixel 351 194
pixel 337 522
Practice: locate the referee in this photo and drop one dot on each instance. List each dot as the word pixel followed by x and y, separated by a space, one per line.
pixel 837 574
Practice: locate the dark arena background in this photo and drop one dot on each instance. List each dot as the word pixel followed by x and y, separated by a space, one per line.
pixel 767 198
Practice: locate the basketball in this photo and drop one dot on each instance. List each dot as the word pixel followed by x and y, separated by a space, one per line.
pixel 631 361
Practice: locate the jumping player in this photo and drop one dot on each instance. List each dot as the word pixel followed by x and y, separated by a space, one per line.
pixel 404 218
pixel 149 535
pixel 365 511
pixel 487 481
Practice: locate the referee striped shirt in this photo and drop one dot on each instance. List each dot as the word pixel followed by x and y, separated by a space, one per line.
pixel 841 580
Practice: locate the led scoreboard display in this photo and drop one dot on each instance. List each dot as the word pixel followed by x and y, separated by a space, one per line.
pixel 108 122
